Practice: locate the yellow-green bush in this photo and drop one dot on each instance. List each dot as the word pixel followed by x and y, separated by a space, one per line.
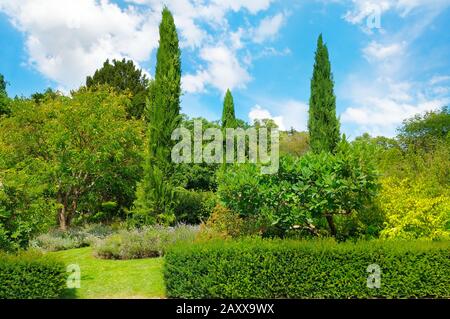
pixel 225 223
pixel 411 213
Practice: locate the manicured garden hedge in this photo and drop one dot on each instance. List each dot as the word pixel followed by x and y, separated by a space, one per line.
pixel 31 276
pixel 306 269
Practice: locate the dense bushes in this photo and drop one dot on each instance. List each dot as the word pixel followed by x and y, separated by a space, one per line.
pixel 411 213
pixel 24 207
pixel 193 207
pixel 307 269
pixel 143 243
pixel 306 191
pixel 225 223
pixel 31 276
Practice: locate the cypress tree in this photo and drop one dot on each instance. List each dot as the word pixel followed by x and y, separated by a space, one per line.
pixel 154 195
pixel 164 104
pixel 228 115
pixel 323 124
pixel 3 96
pixel 2 84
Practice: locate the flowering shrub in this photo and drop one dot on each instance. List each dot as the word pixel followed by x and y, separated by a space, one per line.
pixel 410 213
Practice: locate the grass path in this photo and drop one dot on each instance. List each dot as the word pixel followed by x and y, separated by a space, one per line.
pixel 100 278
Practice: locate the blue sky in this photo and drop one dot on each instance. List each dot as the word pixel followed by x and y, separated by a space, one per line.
pixel 390 58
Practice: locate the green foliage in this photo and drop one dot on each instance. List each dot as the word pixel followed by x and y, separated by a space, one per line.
pixel 155 198
pixel 143 243
pixel 305 190
pixel 155 193
pixel 31 276
pixel 294 143
pixel 3 84
pixel 82 148
pixel 25 208
pixel 199 177
pixel 228 115
pixel 323 124
pixel 167 86
pixel 224 223
pixel 306 269
pixel 422 131
pixel 410 213
pixel 48 94
pixel 416 177
pixel 366 223
pixel 124 77
pixel 192 207
pixel 196 176
pixel 4 100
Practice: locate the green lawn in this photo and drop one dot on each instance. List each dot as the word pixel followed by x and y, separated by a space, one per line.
pixel 100 278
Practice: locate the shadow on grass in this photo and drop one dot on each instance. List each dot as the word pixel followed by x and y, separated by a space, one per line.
pixel 70 294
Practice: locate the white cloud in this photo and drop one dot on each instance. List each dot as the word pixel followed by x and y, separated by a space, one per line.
pixel 384 94
pixel 439 79
pixel 253 6
pixel 377 51
pixel 268 28
pixel 289 113
pixel 380 107
pixel 236 39
pixel 189 14
pixel 258 113
pixel 195 83
pixel 363 9
pixel 66 41
pixel 223 71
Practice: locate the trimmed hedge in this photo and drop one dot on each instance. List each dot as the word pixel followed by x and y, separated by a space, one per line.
pixel 255 268
pixel 31 276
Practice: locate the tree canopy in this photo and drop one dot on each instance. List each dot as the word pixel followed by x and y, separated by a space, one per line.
pixel 83 148
pixel 124 76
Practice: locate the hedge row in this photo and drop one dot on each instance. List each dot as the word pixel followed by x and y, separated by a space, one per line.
pixel 31 276
pixel 305 269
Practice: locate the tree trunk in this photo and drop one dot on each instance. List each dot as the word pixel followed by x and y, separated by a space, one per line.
pixel 66 210
pixel 62 218
pixel 330 221
pixel 63 212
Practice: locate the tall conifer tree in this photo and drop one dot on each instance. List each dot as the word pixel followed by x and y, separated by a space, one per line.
pixel 228 115
pixel 3 96
pixel 155 192
pixel 323 124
